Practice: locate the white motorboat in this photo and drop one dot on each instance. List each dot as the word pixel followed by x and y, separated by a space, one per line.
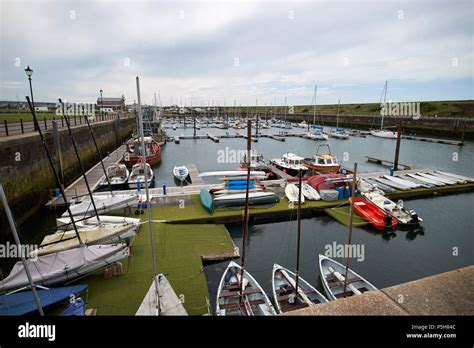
pixel 290 163
pixel 397 210
pixel 137 176
pixel 181 173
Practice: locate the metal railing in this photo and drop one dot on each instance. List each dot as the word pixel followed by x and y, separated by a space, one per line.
pixel 24 127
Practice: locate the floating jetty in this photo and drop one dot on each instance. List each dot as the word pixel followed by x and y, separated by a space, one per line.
pixel 181 251
pixel 94 175
pixel 386 162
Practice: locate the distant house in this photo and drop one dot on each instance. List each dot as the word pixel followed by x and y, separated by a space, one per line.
pixel 115 104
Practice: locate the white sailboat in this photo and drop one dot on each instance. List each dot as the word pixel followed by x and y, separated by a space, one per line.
pixel 383 133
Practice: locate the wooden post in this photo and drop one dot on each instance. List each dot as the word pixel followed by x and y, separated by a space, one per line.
pixel 397 146
pixel 45 124
pixel 351 218
pixel 246 211
pixel 6 127
pixel 22 128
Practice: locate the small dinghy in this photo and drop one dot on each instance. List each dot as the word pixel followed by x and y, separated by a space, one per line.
pixel 66 224
pixel 416 181
pixel 332 275
pixel 455 176
pixel 397 210
pixel 238 199
pixel 377 185
pixel 181 173
pixel 206 200
pixel 393 184
pixel 90 235
pixel 254 301
pixel 403 182
pixel 253 174
pixel 438 178
pixel 104 204
pixel 118 177
pixel 310 193
pixel 292 192
pixel 169 302
pixel 285 299
pixel 137 176
pixel 63 266
pixel 23 302
pixel 372 214
pixel 426 180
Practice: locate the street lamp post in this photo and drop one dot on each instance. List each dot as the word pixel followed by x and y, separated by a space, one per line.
pixel 101 103
pixel 29 72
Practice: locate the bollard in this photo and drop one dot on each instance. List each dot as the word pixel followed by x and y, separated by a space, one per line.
pixel 164 189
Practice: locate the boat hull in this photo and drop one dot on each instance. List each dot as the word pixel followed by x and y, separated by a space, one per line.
pixel 334 288
pixel 372 214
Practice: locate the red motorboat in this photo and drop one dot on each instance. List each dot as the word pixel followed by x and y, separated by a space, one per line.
pixel 372 214
pixel 134 153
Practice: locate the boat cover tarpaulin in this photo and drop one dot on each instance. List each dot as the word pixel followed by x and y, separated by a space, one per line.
pixel 22 303
pixel 103 203
pixel 63 266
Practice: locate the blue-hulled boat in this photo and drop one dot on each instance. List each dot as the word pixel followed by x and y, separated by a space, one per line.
pixel 23 303
pixel 207 201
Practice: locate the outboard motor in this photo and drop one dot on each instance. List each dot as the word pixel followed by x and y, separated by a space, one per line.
pixel 414 216
pixel 388 220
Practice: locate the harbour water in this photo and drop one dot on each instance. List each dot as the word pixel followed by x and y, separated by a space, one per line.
pixel 443 243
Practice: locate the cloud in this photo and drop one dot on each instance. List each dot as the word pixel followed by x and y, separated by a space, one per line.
pixel 211 51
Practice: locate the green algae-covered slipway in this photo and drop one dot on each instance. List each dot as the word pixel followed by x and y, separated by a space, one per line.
pixel 179 250
pixel 192 211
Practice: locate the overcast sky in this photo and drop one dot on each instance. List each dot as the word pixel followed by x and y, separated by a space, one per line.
pixel 208 52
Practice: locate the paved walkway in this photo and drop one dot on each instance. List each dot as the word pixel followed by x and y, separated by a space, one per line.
pixel 449 293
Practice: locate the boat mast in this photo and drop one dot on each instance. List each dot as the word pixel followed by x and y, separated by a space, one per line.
pixel 351 218
pixel 337 116
pixel 298 235
pixel 246 211
pixel 17 241
pixel 314 105
pixel 384 93
pixel 79 161
pixel 152 245
pixel 56 176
